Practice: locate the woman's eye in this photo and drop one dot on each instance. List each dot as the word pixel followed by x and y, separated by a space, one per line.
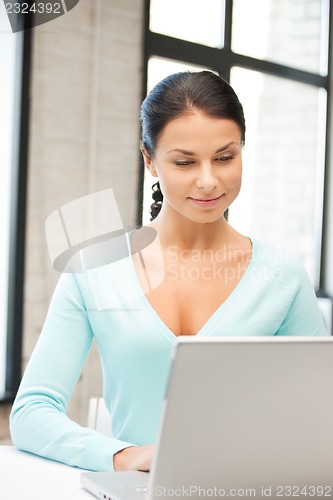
pixel 183 163
pixel 225 158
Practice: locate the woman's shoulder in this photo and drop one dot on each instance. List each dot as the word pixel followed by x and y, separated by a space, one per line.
pixel 271 253
pixel 283 263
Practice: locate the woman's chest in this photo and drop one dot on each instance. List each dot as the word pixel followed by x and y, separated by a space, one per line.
pixel 188 296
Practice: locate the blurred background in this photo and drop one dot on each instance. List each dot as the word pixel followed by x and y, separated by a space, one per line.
pixel 70 94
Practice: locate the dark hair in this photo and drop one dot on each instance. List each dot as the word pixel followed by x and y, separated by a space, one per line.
pixel 178 94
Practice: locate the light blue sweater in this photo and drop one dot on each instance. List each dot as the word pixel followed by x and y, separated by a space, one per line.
pixel 274 297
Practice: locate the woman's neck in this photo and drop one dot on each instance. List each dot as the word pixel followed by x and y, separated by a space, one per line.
pixel 191 235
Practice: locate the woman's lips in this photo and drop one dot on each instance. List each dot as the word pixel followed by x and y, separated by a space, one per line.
pixel 209 202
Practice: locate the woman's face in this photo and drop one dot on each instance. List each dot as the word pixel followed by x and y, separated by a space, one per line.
pixel 199 165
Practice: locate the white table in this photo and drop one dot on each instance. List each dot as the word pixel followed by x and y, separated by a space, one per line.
pixel 28 477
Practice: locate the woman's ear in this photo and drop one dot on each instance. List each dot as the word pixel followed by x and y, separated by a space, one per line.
pixel 149 163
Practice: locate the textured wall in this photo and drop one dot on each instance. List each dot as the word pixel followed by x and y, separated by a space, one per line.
pixel 84 137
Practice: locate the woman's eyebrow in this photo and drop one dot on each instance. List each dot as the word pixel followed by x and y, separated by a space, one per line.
pixel 184 151
pixel 190 153
pixel 232 143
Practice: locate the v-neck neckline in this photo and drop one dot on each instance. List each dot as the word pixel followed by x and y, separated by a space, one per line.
pixel 206 328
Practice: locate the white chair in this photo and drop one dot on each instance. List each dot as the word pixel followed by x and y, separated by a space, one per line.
pixel 99 417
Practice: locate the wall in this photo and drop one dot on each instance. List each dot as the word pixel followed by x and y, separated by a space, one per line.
pixel 84 137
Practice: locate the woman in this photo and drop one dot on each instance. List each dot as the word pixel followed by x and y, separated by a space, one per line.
pixel 216 281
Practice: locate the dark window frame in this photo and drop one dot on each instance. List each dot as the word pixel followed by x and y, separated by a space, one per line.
pixel 19 177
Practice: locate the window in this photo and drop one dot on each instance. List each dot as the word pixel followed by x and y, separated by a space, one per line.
pixel 275 55
pixel 14 91
pixel 288 32
pixel 281 198
pixel 7 70
pixel 185 19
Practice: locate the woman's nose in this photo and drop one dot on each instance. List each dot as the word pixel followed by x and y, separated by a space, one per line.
pixel 207 178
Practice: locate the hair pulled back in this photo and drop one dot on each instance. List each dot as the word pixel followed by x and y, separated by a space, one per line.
pixel 179 94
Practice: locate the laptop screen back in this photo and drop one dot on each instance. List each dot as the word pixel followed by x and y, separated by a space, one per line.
pixel 247 413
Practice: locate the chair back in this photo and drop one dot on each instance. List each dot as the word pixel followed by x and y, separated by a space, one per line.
pixel 99 417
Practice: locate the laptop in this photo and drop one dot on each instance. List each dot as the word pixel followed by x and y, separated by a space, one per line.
pixel 242 417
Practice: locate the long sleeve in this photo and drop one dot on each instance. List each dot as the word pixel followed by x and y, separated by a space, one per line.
pixel 39 423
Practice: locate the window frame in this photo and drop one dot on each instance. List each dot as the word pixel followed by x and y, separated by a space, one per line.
pixel 17 235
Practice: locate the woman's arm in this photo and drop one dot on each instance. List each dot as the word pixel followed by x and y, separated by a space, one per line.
pixel 39 423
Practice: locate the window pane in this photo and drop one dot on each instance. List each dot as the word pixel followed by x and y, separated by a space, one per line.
pixel 281 197
pixel 289 32
pixel 193 20
pixel 159 68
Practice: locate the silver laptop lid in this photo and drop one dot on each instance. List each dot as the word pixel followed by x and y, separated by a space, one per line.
pixel 247 414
